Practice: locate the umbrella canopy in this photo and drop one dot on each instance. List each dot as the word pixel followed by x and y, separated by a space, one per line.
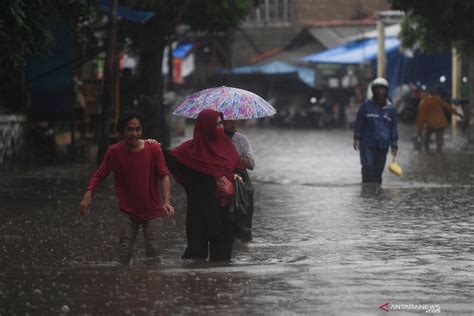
pixel 235 104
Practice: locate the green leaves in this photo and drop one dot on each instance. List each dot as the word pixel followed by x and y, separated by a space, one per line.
pixel 24 28
pixel 438 24
pixel 216 15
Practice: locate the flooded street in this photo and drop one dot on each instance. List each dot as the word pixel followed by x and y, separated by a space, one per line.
pixel 324 244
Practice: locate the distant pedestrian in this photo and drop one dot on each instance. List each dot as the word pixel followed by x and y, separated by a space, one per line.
pixel 140 172
pixel 375 130
pixel 128 89
pixel 242 144
pixel 197 164
pixel 431 113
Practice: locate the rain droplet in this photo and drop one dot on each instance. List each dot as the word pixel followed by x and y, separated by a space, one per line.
pixel 37 292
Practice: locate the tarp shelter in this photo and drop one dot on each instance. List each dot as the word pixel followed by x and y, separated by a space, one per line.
pixel 305 74
pixel 356 52
pixel 127 13
pixel 402 68
pixel 183 62
pixel 182 50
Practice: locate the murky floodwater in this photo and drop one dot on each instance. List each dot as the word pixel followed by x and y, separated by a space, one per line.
pixel 323 243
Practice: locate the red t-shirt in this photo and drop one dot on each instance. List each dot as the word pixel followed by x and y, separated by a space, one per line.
pixel 137 178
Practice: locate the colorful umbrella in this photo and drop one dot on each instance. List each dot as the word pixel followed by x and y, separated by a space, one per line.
pixel 236 104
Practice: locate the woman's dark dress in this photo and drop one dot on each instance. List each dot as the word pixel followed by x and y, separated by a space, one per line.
pixel 209 230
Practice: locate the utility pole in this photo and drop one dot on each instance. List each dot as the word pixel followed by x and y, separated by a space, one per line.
pixel 384 18
pixel 381 63
pixel 455 82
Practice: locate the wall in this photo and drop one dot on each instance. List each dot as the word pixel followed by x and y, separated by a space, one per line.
pixel 321 10
pixel 277 34
pixel 12 137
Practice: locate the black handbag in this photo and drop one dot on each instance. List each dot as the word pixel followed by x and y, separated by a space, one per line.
pixel 241 207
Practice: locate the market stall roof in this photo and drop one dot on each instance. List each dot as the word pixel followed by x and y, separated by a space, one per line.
pixel 127 13
pixel 333 36
pixel 390 31
pixel 182 50
pixel 307 75
pixel 355 52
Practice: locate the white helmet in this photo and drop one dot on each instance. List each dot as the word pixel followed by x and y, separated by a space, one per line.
pixel 379 82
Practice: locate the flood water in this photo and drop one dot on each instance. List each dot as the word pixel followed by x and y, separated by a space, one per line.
pixel 324 244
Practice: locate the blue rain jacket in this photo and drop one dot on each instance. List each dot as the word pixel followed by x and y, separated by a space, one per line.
pixel 375 126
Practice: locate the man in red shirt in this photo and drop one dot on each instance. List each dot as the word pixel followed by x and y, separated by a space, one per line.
pixel 139 171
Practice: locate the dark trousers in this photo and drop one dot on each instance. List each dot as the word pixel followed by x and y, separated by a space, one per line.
pixel 217 249
pixel 439 139
pixel 205 239
pixel 373 162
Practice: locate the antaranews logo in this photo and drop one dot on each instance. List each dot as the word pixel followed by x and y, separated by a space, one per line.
pixel 427 308
pixel 385 307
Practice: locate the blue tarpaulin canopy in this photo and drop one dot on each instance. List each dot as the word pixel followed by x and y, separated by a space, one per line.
pixel 420 68
pixel 127 13
pixel 182 50
pixel 355 52
pixel 307 75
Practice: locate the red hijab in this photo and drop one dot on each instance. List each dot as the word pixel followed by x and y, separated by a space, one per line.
pixel 210 151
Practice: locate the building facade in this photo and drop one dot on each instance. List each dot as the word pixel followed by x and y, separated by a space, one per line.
pixel 274 23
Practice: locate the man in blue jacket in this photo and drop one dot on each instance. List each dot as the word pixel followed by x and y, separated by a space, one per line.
pixel 375 131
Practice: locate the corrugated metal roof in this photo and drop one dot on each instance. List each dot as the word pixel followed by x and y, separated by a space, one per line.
pixel 332 36
pixel 390 31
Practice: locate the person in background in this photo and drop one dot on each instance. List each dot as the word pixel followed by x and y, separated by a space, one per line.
pixel 128 89
pixel 140 172
pixel 197 164
pixel 375 130
pixel 431 114
pixel 242 144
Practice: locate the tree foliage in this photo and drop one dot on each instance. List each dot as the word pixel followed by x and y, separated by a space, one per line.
pixel 24 24
pixel 209 15
pixel 151 38
pixel 24 27
pixel 25 30
pixel 438 24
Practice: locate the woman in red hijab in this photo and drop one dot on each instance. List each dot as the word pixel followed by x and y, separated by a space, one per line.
pixel 196 164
